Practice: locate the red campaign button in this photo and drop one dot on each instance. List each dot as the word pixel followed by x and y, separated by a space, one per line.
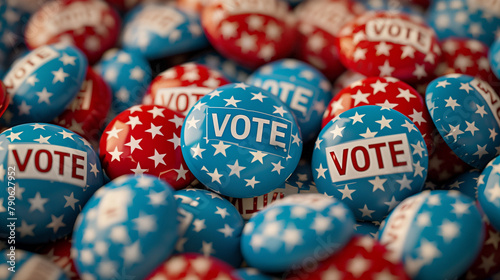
pixel 87 113
pixel 362 258
pixel 193 266
pixel 180 87
pixel 250 32
pixel 92 26
pixel 444 164
pixel 59 252
pixel 145 139
pixel 389 44
pixel 386 92
pixel 318 26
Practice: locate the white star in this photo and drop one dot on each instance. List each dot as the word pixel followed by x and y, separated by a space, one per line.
pixel 316 42
pixel 407 51
pixel 384 123
pixel 157 198
pixel 386 69
pixel 156 112
pixel 321 224
pixel 359 54
pixel 37 203
pixel 199 225
pixel 418 169
pixel 387 105
pixel 279 110
pixel 247 42
pixel 181 173
pixel 254 22
pixel 228 29
pixel 471 127
pixel 14 136
pixel 157 158
pixel 26 229
pixel 258 156
pixel 113 133
pixel 366 211
pixel 222 212
pixel 481 151
pixel 273 31
pixel 133 109
pixel 66 59
pixel 56 223
pixel 154 130
pixel 296 139
pixel 59 76
pixel 24 109
pixel 137 74
pixel 241 85
pixel 32 80
pixel 178 121
pixel 258 96
pixel 493 134
pixel 175 140
pixel 424 219
pixel 358 266
pixel 220 148
pixel 443 84
pixel 197 151
pixel 337 131
pixel 215 176
pixel 417 117
pixel 383 49
pixel 450 102
pixel 419 71
pixel 277 167
pixel 460 208
pixel 66 134
pixel 132 254
pixel 368 133
pixel 44 96
pixel 231 101
pixel 134 144
pixel 291 237
pixel 404 183
pixel 346 192
pixel 321 171
pixel 405 94
pixel 192 122
pixel 466 87
pixel 393 203
pixel 418 148
pixel 494 192
pixel 360 97
pixel 115 154
pixel 38 126
pixel 266 52
pixel 206 248
pixel 449 230
pixel 251 182
pixel 454 131
pixel 378 184
pixel 227 231
pixel 379 86
pixel 43 140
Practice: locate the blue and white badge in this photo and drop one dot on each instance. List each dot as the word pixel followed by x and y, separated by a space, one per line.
pixel 159 30
pixel 437 234
pixel 466 183
pixel 230 68
pixel 209 225
pixel 128 74
pixel 49 173
pixel 126 230
pixel 43 83
pixel 466 112
pixel 241 141
pixel 21 264
pixel 488 192
pixel 371 158
pixel 301 87
pixel 288 233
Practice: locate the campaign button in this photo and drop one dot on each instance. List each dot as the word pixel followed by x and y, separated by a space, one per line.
pixel 466 112
pixel 431 228
pixel 129 145
pixel 209 224
pixel 43 83
pixel 300 227
pixel 388 43
pixel 181 86
pixel 235 136
pixel 250 32
pixel 301 87
pixel 158 30
pixel 92 26
pixel 49 172
pixel 118 233
pixel 371 158
pixel 488 192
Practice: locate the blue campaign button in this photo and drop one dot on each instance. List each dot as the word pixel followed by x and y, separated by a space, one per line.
pixel 476 19
pixel 159 30
pixel 230 68
pixel 488 192
pixel 431 228
pixel 241 141
pixel 128 74
pixel 42 83
pixel 294 230
pixel 209 225
pixel 466 183
pixel 301 87
pixel 21 264
pixel 466 112
pixel 49 173
pixel 371 158
pixel 126 230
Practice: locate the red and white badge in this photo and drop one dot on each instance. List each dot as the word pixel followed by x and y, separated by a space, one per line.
pixel 389 44
pixel 91 25
pixel 388 93
pixel 362 258
pixel 250 32
pixel 86 114
pixel 193 266
pixel 318 24
pixel 145 139
pixel 180 87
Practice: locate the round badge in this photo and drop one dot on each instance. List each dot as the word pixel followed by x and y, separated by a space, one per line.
pixel 318 26
pixel 181 86
pixel 129 145
pixel 43 83
pixel 241 141
pixel 429 229
pixel 160 30
pixel 250 32
pixel 49 173
pixel 465 112
pixel 389 44
pixel 92 26
pixel 371 158
pixel 300 227
pixel 210 225
pixel 386 92
pixel 118 233
pixel 301 87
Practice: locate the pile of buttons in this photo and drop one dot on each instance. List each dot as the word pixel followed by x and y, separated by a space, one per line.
pixel 250 139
